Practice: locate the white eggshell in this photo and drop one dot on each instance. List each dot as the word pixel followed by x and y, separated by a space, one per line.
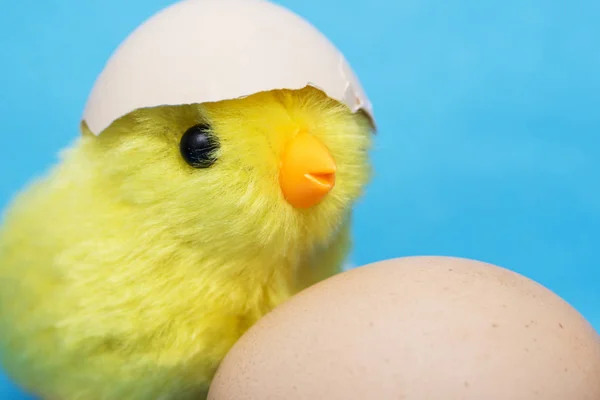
pixel 198 51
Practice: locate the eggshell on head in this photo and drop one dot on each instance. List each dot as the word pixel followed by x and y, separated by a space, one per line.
pixel 417 328
pixel 198 51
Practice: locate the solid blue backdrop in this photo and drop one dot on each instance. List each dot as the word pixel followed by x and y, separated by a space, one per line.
pixel 488 114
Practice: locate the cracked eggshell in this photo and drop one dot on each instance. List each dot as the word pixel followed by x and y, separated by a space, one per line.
pixel 198 51
pixel 417 328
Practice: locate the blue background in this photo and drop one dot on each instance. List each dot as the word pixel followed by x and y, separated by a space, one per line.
pixel 488 113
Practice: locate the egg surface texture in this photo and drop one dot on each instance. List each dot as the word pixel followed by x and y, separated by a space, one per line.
pixel 417 328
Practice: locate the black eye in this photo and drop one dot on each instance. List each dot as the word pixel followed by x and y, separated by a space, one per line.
pixel 198 146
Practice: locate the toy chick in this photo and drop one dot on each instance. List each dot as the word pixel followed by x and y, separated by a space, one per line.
pixel 223 147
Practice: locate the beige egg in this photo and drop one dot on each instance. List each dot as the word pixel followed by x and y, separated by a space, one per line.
pixel 417 328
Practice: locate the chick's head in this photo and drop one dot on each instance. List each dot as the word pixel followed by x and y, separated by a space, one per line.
pixel 279 169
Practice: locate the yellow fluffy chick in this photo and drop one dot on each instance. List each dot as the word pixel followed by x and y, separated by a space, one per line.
pixel 130 270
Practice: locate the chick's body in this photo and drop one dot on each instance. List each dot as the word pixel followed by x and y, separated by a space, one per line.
pixel 128 274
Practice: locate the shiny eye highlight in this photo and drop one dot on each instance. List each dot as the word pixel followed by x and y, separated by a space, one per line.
pixel 198 146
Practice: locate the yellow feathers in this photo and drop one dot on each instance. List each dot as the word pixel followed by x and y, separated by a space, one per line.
pixel 128 274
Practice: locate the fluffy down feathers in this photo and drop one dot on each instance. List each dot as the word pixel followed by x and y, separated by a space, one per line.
pixel 127 274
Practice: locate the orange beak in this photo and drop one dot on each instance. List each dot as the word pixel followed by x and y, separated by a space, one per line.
pixel 307 172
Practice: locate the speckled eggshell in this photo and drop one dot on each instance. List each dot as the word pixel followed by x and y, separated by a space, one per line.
pixel 417 328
